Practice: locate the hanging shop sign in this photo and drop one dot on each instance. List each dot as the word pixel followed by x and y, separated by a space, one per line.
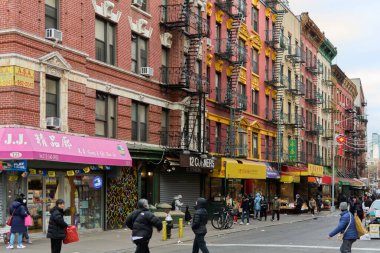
pixel 315 170
pixel 292 150
pixel 15 166
pixel 193 161
pixel 98 182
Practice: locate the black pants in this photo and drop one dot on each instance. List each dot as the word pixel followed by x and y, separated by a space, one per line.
pixel 56 245
pixel 298 209
pixel 312 210
pixel 263 213
pixel 346 246
pixel 200 243
pixel 276 212
pixel 142 246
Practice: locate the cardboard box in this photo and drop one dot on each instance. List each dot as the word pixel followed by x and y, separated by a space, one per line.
pixel 374 230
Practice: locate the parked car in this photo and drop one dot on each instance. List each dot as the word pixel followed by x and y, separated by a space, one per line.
pixel 374 210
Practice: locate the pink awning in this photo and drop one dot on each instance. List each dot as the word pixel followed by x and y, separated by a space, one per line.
pixel 28 144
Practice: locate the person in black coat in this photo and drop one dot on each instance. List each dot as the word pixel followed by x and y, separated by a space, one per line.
pixel 141 222
pixel 245 209
pixel 263 208
pixel 56 229
pixel 199 226
pixel 19 213
pixel 25 236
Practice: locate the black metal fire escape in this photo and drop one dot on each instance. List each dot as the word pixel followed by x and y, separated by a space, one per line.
pixel 276 40
pixel 229 49
pixel 184 75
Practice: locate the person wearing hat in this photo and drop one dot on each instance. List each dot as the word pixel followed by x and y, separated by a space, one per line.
pixel 347 227
pixel 276 208
pixel 141 222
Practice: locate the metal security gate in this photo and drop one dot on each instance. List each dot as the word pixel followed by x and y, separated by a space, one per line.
pixel 175 183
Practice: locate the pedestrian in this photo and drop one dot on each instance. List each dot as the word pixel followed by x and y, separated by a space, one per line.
pixel 263 208
pixel 276 208
pixel 312 205
pixel 141 222
pixel 245 209
pixel 187 215
pixel 57 225
pixel 257 204
pixel 199 226
pixel 347 227
pixel 299 203
pixel 251 203
pixel 236 205
pixel 319 203
pixel 25 236
pixel 18 213
pixel 359 208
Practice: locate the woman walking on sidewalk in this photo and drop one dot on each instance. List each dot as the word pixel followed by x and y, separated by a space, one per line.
pixel 18 213
pixel 56 229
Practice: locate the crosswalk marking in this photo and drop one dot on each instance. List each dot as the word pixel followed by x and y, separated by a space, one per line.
pixel 286 246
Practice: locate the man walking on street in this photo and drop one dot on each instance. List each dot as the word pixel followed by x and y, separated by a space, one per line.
pixel 347 227
pixel 199 226
pixel 141 222
pixel 276 208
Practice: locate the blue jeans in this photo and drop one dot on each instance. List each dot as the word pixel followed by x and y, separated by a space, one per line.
pixel 244 214
pixel 19 239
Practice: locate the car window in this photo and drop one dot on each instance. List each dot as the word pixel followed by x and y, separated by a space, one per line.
pixel 376 205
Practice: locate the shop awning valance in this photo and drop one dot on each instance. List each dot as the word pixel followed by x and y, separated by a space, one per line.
pixel 327 180
pixel 239 168
pixel 17 143
pixel 313 170
pixel 288 178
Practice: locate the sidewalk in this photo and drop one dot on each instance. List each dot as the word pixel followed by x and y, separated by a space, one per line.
pixel 118 241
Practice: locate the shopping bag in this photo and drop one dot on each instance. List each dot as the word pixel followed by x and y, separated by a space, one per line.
pixel 9 221
pixel 28 221
pixel 71 235
pixel 359 226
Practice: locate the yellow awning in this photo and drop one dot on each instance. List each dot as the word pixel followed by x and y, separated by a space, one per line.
pixel 313 170
pixel 239 168
pixel 289 179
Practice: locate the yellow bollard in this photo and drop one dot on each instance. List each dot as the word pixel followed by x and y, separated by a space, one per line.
pixel 164 235
pixel 180 228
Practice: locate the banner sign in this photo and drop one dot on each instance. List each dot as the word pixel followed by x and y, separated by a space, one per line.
pixel 292 150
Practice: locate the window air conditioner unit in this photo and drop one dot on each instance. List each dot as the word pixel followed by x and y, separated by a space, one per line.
pixel 208 42
pixel 53 123
pixel 146 71
pixel 137 3
pixel 53 34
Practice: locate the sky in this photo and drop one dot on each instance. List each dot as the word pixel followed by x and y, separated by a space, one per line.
pixel 354 28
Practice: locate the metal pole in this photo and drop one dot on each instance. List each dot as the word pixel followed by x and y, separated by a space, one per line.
pixel 333 171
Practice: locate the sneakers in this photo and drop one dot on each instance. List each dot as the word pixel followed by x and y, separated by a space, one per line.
pixel 247 224
pixel 10 247
pixel 21 246
pixel 241 223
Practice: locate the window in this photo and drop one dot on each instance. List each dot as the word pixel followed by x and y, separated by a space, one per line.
pixel 218 143
pixel 139 122
pixel 255 102
pixel 208 73
pixel 242 97
pixel 105 115
pixel 255 146
pixel 217 86
pixel 51 14
pixel 52 97
pixel 242 147
pixel 139 53
pixel 267 68
pixel 242 53
pixel 255 61
pixel 164 127
pixel 273 107
pixel 289 79
pixel 255 19
pixel 289 112
pixel 290 44
pixel 105 41
pixel 266 106
pixel 218 37
pixel 273 148
pixel 266 147
pixel 165 65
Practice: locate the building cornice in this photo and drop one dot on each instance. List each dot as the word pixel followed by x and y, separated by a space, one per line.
pixel 311 30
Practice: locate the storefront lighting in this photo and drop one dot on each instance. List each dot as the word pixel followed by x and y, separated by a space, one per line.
pixel 173 168
pixel 169 170
pixel 150 173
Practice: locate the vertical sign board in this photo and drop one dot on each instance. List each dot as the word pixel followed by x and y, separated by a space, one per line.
pixel 292 150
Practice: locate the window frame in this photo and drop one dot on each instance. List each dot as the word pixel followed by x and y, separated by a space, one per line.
pixel 138 134
pixel 139 40
pixel 255 102
pixel 165 125
pixel 255 140
pixel 109 132
pixel 255 61
pixel 57 96
pixel 109 54
pixel 57 11
pixel 255 19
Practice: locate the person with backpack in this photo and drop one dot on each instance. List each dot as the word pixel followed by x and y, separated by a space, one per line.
pixel 18 213
pixel 141 222
pixel 199 226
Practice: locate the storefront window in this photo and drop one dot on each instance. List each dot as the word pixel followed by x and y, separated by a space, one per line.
pixel 259 186
pixel 216 191
pixel 287 192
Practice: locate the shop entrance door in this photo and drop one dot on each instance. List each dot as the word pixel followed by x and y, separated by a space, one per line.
pixel 42 194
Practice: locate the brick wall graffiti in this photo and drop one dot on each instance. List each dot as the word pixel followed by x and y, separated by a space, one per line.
pixel 121 197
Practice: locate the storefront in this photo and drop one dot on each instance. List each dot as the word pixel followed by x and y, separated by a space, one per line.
pixel 46 166
pixel 236 177
pixel 311 181
pixel 185 177
pixel 290 180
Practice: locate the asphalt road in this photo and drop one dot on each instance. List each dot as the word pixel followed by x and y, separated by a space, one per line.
pixel 309 236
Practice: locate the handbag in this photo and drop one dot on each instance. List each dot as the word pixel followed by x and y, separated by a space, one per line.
pixel 359 227
pixel 10 218
pixel 28 222
pixel 71 235
pixel 341 235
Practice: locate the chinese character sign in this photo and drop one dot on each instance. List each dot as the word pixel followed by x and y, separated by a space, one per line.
pixel 292 150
